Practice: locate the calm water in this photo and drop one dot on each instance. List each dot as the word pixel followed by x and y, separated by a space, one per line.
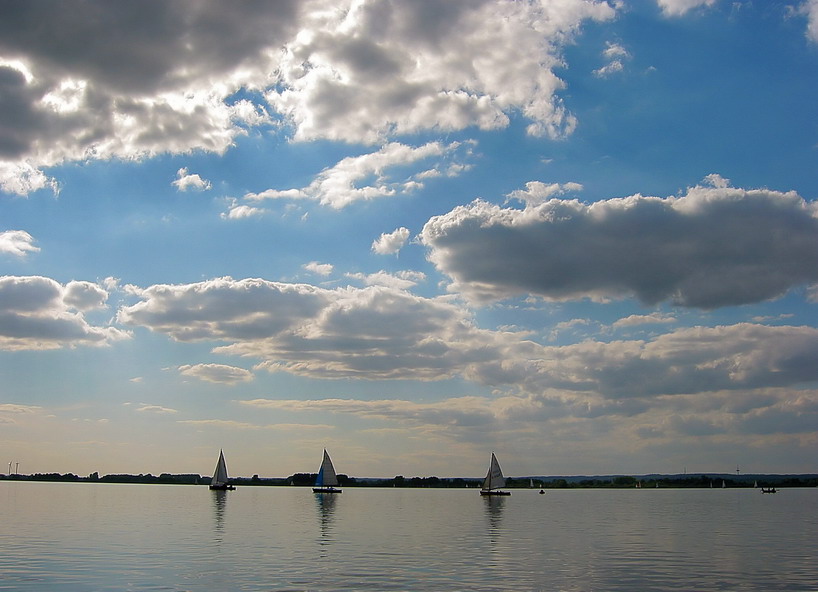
pixel 89 537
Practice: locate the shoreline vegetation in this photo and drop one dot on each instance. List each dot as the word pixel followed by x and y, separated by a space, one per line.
pixel 703 480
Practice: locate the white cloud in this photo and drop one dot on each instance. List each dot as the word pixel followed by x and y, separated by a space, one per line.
pixel 810 8
pixel 710 248
pixel 318 268
pixel 187 182
pixel 240 212
pixel 392 242
pixel 218 373
pixel 367 176
pixel 402 280
pixel 17 242
pixel 615 54
pixel 681 7
pixel 537 192
pixel 406 67
pixel 650 319
pixel 39 313
pixel 155 409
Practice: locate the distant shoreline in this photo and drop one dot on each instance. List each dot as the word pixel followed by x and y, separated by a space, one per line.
pixel 698 480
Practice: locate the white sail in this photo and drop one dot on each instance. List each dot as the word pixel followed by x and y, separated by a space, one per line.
pixel 220 474
pixel 326 474
pixel 494 478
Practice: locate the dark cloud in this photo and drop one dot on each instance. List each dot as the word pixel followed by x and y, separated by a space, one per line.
pixel 711 248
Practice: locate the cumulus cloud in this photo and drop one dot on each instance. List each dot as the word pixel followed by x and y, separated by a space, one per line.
pixel 40 313
pixel 401 68
pixel 17 242
pixel 712 247
pixel 372 332
pixel 97 93
pixel 402 280
pixel 318 268
pixel 680 7
pixel 367 176
pixel 385 333
pixel 391 242
pixel 614 53
pixel 650 319
pixel 349 71
pixel 218 373
pixel 186 182
pixel 537 192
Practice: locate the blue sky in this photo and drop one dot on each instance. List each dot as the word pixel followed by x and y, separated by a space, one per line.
pixel 581 234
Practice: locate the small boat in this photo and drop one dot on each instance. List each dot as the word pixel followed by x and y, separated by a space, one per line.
pixel 768 490
pixel 220 481
pixel 327 479
pixel 494 479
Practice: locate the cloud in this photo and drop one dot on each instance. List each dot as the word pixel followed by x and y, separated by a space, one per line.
pixel 615 54
pixel 155 409
pixel 637 320
pixel 218 373
pixel 386 333
pixel 453 412
pixel 240 212
pixel 537 192
pixel 379 69
pixel 375 332
pixel 402 280
pixel 391 243
pixel 39 313
pixel 367 176
pixel 681 7
pixel 810 9
pixel 131 83
pixel 187 182
pixel 318 268
pixel 712 247
pixel 17 242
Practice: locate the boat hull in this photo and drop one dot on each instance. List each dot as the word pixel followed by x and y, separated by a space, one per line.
pixel 493 492
pixel 224 487
pixel 325 490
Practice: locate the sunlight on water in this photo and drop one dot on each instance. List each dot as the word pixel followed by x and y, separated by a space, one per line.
pixel 90 537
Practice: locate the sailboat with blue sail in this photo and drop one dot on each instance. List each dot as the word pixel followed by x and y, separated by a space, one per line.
pixel 327 479
pixel 494 479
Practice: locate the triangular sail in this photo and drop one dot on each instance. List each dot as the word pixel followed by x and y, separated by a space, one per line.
pixel 494 478
pixel 326 474
pixel 220 474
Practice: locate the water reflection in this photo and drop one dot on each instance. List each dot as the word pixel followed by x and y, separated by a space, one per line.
pixel 219 508
pixel 494 505
pixel 325 504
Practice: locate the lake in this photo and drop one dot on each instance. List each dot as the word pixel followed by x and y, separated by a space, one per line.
pixel 90 537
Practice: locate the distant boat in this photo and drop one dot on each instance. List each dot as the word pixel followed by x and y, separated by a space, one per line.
pixel 327 479
pixel 723 484
pixel 494 479
pixel 220 481
pixel 768 490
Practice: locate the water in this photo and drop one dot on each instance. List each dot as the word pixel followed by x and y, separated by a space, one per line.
pixel 94 537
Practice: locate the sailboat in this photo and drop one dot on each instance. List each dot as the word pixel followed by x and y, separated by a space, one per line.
pixel 327 479
pixel 494 479
pixel 219 481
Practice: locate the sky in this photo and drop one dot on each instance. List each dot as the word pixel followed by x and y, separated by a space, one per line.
pixel 582 234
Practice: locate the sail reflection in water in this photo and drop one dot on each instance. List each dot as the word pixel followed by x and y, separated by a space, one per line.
pixel 325 504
